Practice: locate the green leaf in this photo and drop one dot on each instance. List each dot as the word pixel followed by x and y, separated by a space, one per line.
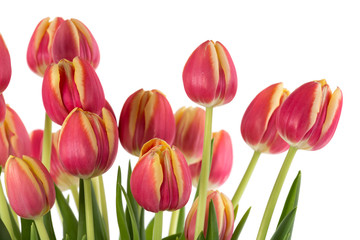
pixel 142 224
pixel 135 230
pixel 13 223
pixel 283 232
pixel 26 228
pixel 49 227
pixel 123 228
pixel 4 234
pixel 81 224
pixel 70 224
pixel 181 221
pixel 212 232
pixel 236 210
pixel 33 232
pixel 240 226
pixel 149 230
pixel 182 237
pixel 99 223
pixel 201 236
pixel 172 237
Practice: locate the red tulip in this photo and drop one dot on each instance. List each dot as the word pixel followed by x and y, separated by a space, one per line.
pixel 5 65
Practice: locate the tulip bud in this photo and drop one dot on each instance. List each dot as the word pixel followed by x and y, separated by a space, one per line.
pixel 5 65
pixel 73 39
pixel 87 143
pixel 258 125
pixel 14 139
pixel 209 75
pixel 221 162
pixel 161 178
pixel 224 215
pixel 39 52
pixel 189 137
pixel 59 174
pixel 68 85
pixel 145 115
pixel 29 187
pixel 309 116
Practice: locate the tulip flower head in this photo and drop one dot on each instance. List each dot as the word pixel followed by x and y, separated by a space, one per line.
pixel 68 85
pixel 224 215
pixel 14 138
pixel 221 162
pixel 309 116
pixel 39 52
pixel 29 187
pixel 258 125
pixel 145 115
pixel 209 75
pixel 161 178
pixel 87 143
pixel 189 137
pixel 5 65
pixel 73 39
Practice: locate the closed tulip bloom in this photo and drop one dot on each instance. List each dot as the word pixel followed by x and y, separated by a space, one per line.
pixel 59 174
pixel 258 125
pixel 161 178
pixel 209 75
pixel 39 52
pixel 145 115
pixel 5 65
pixel 309 116
pixel 73 39
pixel 87 143
pixel 189 137
pixel 68 85
pixel 221 162
pixel 29 187
pixel 14 138
pixel 224 216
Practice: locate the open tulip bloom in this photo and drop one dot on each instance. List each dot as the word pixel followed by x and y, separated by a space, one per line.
pixel 174 151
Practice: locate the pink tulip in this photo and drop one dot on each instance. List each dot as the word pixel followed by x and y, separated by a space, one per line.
pixel 5 65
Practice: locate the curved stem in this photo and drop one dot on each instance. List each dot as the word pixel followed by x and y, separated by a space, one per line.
pixel 46 148
pixel 39 222
pixel 244 181
pixel 204 174
pixel 265 222
pixel 5 214
pixel 103 206
pixel 157 232
pixel 88 210
pixel 174 222
pixel 75 194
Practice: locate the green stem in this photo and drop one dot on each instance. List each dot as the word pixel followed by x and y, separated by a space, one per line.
pixel 103 207
pixel 5 214
pixel 174 222
pixel 204 174
pixel 157 231
pixel 88 210
pixel 275 194
pixel 75 194
pixel 244 181
pixel 46 148
pixel 39 222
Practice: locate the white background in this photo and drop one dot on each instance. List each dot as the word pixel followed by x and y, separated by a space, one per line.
pixel 146 44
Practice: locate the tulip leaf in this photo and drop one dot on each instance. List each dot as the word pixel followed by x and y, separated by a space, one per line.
pixel 283 232
pixel 182 237
pixel 132 217
pixel 69 220
pixel 172 237
pixel 81 224
pixel 181 221
pixel 240 226
pixel 4 234
pixel 201 236
pixel 212 232
pixel 236 210
pixel 13 223
pixel 142 224
pixel 33 232
pixel 66 237
pixel 149 230
pixel 25 228
pixel 49 227
pixel 123 228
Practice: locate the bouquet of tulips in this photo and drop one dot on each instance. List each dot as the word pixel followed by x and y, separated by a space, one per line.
pixel 175 151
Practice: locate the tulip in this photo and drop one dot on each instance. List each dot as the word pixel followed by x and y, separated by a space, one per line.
pixel 5 65
pixel 73 39
pixel 309 116
pixel 258 125
pixel 189 137
pixel 221 162
pixel 87 143
pixel 224 215
pixel 14 138
pixel 68 85
pixel 209 75
pixel 58 173
pixel 145 115
pixel 39 52
pixel 161 179
pixel 29 187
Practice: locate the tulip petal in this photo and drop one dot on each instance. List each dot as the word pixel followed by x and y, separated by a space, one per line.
pixel 5 65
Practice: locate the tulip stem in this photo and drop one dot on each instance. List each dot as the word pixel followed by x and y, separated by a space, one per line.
pixel 265 222
pixel 75 194
pixel 244 181
pixel 46 148
pixel 204 174
pixel 88 210
pixel 39 222
pixel 174 222
pixel 5 214
pixel 103 205
pixel 158 220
